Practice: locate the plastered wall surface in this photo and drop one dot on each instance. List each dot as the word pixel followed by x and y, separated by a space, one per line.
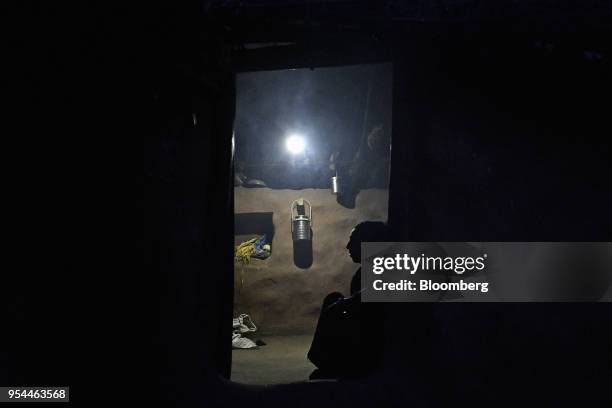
pixel 281 297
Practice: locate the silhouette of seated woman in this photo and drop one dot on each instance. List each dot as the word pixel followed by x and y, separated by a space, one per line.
pixel 348 337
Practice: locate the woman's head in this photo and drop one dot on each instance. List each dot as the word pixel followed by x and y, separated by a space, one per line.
pixel 367 231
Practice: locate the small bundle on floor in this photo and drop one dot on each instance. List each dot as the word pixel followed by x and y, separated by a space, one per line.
pixel 242 325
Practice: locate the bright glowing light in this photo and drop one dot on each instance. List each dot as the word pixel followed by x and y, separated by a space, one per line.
pixel 295 144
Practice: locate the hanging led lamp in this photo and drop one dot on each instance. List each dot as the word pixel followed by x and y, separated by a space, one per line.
pixel 301 220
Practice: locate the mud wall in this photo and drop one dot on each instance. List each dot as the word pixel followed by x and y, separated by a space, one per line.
pixel 281 297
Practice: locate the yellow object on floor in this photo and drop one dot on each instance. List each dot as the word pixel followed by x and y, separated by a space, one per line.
pixel 244 251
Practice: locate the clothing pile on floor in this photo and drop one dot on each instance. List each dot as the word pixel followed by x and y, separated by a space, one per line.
pixel 253 248
pixel 242 325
